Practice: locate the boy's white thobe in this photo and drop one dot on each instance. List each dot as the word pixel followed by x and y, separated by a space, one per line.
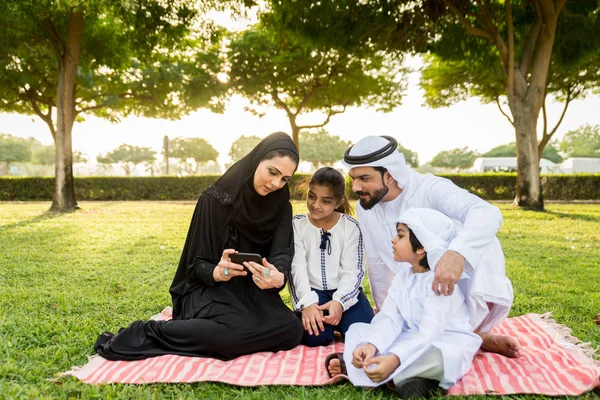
pixel 412 321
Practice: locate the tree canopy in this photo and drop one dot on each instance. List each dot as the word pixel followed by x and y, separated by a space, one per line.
pixel 510 150
pixel 12 150
pixel 582 142
pixel 459 158
pixel 242 146
pixel 512 52
pixel 274 67
pixel 128 156
pixel 196 149
pixel 411 157
pixel 63 59
pixel 321 148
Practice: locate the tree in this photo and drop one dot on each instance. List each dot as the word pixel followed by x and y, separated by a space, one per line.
pixel 242 146
pixel 196 149
pixel 275 68
pixel 460 158
pixel 411 157
pixel 13 149
pixel 510 150
pixel 322 148
pixel 128 157
pixel 582 142
pixel 62 59
pixel 512 51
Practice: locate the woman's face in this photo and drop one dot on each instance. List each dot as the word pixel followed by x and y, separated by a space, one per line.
pixel 273 174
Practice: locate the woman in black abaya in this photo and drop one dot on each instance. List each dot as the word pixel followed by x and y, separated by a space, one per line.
pixel 219 309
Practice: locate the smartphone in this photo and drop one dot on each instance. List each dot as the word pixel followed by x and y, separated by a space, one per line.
pixel 239 258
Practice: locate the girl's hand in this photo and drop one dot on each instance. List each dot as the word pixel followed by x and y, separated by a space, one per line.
pixel 263 279
pixel 363 354
pixel 312 319
pixel 225 269
pixel 379 368
pixel 335 309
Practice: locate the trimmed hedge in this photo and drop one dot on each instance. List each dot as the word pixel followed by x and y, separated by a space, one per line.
pixel 497 186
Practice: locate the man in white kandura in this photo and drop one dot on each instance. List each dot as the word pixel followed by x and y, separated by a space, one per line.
pixel 474 259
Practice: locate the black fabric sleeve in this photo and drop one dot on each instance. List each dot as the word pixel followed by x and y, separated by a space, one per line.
pixel 281 252
pixel 203 250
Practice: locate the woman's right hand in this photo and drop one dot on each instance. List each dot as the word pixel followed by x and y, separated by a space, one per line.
pixel 224 264
pixel 312 319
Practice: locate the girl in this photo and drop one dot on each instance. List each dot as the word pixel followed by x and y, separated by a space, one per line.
pixel 418 339
pixel 327 270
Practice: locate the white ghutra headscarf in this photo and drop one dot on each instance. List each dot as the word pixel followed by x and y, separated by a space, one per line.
pixel 432 228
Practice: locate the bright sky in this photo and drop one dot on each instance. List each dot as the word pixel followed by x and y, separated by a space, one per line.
pixel 421 129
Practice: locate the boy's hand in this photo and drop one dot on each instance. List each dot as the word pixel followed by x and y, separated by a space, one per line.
pixel 363 354
pixel 379 368
pixel 335 309
pixel 312 319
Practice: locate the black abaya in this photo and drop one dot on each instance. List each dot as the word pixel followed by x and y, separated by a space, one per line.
pixel 223 319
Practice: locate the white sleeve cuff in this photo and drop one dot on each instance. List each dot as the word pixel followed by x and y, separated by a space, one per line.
pixel 309 298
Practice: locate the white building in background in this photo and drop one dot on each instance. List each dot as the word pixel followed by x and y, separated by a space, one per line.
pixel 580 165
pixel 509 164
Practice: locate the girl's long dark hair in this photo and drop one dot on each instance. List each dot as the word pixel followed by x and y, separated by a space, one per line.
pixel 333 179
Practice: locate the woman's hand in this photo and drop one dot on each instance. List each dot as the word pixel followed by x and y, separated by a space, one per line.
pixel 312 319
pixel 362 355
pixel 335 310
pixel 225 269
pixel 265 276
pixel 379 368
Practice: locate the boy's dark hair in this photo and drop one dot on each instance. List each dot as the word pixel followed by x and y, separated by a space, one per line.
pixel 281 153
pixel 381 170
pixel 333 179
pixel 416 245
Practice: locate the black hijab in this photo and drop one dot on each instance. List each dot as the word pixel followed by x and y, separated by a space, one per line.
pixel 230 214
pixel 252 215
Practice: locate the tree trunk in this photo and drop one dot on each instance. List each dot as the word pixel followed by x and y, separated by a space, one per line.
pixel 63 199
pixel 529 189
pixel 295 131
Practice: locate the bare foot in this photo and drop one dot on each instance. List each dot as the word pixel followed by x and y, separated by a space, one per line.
pixel 505 345
pixel 334 367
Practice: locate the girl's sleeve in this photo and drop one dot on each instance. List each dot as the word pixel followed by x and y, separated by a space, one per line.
pixel 300 291
pixel 352 269
pixel 282 246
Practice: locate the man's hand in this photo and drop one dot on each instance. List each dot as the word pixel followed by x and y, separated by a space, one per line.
pixel 447 272
pixel 363 354
pixel 379 368
pixel 335 310
pixel 312 319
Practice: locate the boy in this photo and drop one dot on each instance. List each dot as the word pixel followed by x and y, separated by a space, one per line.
pixel 418 339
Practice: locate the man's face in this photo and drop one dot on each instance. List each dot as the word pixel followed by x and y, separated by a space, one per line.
pixel 368 183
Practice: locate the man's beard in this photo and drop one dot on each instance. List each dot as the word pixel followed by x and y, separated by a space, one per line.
pixel 373 199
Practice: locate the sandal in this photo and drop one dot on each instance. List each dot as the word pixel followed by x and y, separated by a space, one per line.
pixel 339 356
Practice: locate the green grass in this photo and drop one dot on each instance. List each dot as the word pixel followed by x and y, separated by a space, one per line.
pixel 66 278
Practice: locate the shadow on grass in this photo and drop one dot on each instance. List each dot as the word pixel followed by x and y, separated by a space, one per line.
pixel 573 216
pixel 46 215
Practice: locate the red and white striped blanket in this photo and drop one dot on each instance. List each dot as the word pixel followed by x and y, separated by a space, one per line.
pixel 552 363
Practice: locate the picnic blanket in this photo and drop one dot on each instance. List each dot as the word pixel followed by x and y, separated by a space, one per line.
pixel 552 362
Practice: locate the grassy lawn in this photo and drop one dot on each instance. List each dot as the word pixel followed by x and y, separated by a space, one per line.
pixel 65 279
